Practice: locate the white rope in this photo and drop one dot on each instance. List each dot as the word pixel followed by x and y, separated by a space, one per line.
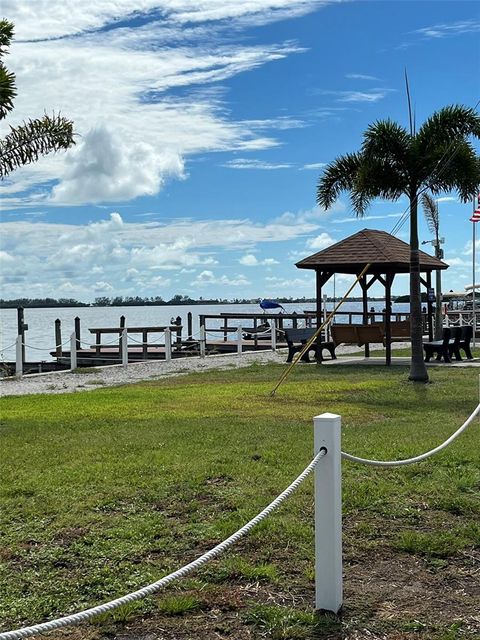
pixel 76 618
pixel 397 463
pixel 55 346
pixel 9 346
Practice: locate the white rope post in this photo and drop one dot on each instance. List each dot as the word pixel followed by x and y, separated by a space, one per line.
pixel 239 341
pixel 168 344
pixel 125 347
pixel 73 351
pixel 203 340
pixel 274 334
pixel 328 514
pixel 19 356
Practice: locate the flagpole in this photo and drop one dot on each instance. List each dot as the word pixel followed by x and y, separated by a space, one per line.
pixel 473 281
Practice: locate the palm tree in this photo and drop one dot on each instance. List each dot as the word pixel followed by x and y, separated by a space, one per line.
pixel 394 162
pixel 432 216
pixel 27 142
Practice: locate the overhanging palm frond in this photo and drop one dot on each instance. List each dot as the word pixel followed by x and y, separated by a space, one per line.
pixel 461 173
pixel 446 126
pixel 6 35
pixel 430 209
pixel 7 91
pixel 26 143
pixel 338 176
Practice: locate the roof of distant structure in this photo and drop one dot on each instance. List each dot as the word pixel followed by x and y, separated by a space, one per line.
pixel 384 253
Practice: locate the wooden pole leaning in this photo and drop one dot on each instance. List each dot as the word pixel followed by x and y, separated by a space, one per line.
pixel 318 332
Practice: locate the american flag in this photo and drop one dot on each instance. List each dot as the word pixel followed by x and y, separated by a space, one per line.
pixel 476 214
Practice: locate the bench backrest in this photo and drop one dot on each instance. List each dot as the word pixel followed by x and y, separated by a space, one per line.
pixel 344 333
pixel 297 335
pixel 400 329
pixel 370 333
pixel 466 333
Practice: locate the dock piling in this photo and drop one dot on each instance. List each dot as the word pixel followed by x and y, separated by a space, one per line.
pixel 78 333
pixel 58 338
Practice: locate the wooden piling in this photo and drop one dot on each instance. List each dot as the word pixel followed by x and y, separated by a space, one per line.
pixel 78 334
pixel 58 338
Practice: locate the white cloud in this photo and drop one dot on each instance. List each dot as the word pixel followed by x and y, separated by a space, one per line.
pixel 244 163
pixel 103 287
pixel 322 241
pixel 449 30
pixel 360 76
pixel 250 260
pixel 116 86
pixel 355 219
pixel 208 278
pixel 315 165
pixel 127 255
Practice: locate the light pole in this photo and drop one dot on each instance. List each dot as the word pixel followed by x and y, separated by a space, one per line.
pixel 438 285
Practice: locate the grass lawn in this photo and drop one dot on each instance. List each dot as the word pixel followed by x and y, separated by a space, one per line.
pixel 106 491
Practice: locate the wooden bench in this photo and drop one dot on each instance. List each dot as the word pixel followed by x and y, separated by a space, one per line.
pixel 439 347
pixel 298 338
pixel 358 334
pixel 461 338
pixel 361 334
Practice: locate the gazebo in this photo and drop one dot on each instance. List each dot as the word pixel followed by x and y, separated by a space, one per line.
pixel 386 255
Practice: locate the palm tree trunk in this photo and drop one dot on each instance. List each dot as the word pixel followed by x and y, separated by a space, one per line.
pixel 418 370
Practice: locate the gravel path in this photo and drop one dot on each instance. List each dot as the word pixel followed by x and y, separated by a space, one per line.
pixel 66 382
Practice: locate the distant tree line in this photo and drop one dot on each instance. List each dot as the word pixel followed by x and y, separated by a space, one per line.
pixel 137 301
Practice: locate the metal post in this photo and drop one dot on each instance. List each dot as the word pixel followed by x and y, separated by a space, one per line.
pixel 73 351
pixel 474 310
pixel 168 344
pixel 19 356
pixel 274 334
pixel 203 341
pixel 328 514
pixel 124 345
pixel 239 341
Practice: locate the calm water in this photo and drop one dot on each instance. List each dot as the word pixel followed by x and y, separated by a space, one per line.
pixel 40 337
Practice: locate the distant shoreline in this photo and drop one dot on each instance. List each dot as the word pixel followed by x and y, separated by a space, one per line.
pixel 54 304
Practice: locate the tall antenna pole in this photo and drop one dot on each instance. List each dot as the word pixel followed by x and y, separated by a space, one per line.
pixel 473 280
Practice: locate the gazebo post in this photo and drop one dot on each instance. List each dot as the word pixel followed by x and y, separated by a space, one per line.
pixel 388 318
pixel 429 307
pixel 321 278
pixel 363 284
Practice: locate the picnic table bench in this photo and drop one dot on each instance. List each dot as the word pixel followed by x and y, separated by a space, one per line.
pixel 298 338
pixel 453 339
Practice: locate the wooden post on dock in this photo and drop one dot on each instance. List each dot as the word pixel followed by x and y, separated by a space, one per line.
pixel 122 326
pixel 22 327
pixel 77 332
pixel 178 341
pixel 58 338
pixel 18 356
pixel 239 341
pixel 144 345
pixel 274 334
pixel 225 330
pixel 189 326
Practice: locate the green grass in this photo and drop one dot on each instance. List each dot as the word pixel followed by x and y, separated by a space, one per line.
pixel 104 492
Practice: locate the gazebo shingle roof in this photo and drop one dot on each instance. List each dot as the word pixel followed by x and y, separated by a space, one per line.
pixel 383 251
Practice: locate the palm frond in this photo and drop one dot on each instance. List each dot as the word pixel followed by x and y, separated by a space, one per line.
pixel 6 35
pixel 387 141
pixel 338 176
pixel 26 143
pixel 448 126
pixel 460 174
pixel 8 91
pixel 430 209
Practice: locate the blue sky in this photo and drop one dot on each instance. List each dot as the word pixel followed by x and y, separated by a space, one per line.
pixel 202 131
